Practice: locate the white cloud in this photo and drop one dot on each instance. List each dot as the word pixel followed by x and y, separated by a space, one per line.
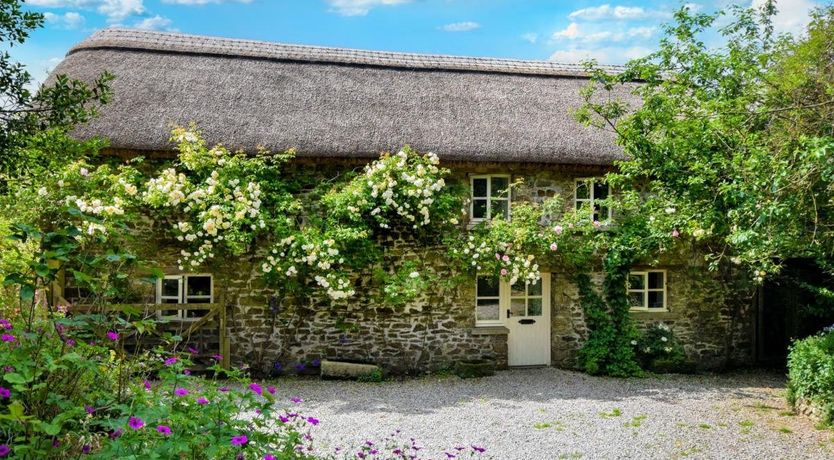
pixel 154 23
pixel 203 2
pixel 115 10
pixel 604 55
pixel 617 12
pixel 359 7
pixel 530 37
pixel 571 32
pixel 465 26
pixel 792 15
pixel 574 32
pixel 69 20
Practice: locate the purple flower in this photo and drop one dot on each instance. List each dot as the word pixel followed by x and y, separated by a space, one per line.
pixel 271 389
pixel 202 400
pixel 217 357
pixel 170 361
pixel 5 323
pixel 5 450
pixel 269 457
pixel 300 367
pixel 296 400
pixel 113 335
pixel 239 440
pixel 181 392
pixel 86 449
pixel 147 384
pixel 283 418
pixel 312 420
pixel 223 389
pixel 70 342
pixel 116 433
pixel 256 388
pixel 135 423
pixel 7 338
pixel 193 351
pixel 164 429
pixel 5 393
pixel 187 371
pixel 277 366
pixel 479 450
pixel 316 363
pixel 56 443
pixel 90 409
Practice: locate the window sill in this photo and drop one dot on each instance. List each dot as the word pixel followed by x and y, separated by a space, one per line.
pixel 489 330
pixel 647 314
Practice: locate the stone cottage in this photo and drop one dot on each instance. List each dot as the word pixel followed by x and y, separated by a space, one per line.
pixel 489 120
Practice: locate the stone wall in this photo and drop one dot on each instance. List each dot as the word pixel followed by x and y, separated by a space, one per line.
pixel 438 329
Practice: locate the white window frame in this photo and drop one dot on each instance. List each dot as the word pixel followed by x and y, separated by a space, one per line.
pixel 183 296
pixel 505 297
pixel 590 181
pixel 646 290
pixel 489 198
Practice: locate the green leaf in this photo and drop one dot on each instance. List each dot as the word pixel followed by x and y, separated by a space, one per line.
pixel 27 292
pixel 15 378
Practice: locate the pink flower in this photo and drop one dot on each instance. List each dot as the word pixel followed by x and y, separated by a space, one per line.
pixel 271 389
pixel 7 338
pixel 256 388
pixel 498 256
pixel 170 361
pixel 675 233
pixel 506 258
pixel 181 392
pixel 558 229
pixel 113 335
pixel 164 429
pixel 597 224
pixel 504 272
pixel 239 440
pixel 84 172
pixel 554 246
pixel 5 393
pixel 202 400
pixel 135 423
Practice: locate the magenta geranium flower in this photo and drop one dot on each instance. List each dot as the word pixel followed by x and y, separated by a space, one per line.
pixel 135 423
pixel 116 433
pixel 312 420
pixel 193 351
pixel 181 392
pixel 90 409
pixel 283 418
pixel 256 388
pixel 164 429
pixel 479 450
pixel 202 400
pixel 171 361
pixel 223 389
pixel 5 450
pixel 217 357
pixel 239 440
pixel 113 335
pixel 296 400
pixel 5 393
pixel 70 342
pixel 271 389
pixel 7 338
pixel 5 323
pixel 269 457
pixel 147 385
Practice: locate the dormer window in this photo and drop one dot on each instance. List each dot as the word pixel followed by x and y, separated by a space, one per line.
pixel 490 197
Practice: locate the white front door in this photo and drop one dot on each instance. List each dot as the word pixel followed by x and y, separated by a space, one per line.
pixel 527 315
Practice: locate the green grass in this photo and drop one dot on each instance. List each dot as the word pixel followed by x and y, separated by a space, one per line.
pixel 746 426
pixel 785 430
pixel 705 426
pixel 635 422
pixel 615 412
pixel 570 455
pixel 542 425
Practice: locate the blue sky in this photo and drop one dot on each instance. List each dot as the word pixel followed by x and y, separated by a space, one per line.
pixel 611 32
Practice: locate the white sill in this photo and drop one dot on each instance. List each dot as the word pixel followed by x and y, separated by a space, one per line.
pixel 648 310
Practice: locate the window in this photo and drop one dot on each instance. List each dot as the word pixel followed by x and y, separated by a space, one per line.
pixel 184 289
pixel 526 299
pixel 589 192
pixel 647 290
pixel 490 197
pixel 488 301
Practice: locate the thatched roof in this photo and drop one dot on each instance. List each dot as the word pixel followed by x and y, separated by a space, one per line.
pixel 329 102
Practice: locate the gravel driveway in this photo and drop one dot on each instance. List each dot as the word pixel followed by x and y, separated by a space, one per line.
pixel 550 413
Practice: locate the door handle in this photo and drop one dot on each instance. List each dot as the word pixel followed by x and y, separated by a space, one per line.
pixel 509 313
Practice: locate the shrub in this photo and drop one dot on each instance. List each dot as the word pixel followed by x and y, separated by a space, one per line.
pixel 659 351
pixel 811 372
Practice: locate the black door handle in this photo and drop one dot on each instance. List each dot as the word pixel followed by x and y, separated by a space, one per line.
pixel 509 314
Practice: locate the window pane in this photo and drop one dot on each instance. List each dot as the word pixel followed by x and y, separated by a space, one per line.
pixel 500 187
pixel 195 313
pixel 479 209
pixel 500 208
pixel 655 299
pixel 198 285
pixel 487 310
pixel 479 187
pixel 170 300
pixel 601 212
pixel 171 287
pixel 518 307
pixel 518 290
pixel 656 280
pixel 487 286
pixel 636 299
pixel 534 307
pixel 535 288
pixel 636 282
pixel 582 192
pixel 600 190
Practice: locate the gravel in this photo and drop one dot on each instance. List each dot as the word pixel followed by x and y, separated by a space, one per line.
pixel 549 413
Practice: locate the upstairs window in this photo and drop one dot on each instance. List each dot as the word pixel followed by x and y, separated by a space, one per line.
pixel 647 290
pixel 184 289
pixel 589 192
pixel 490 197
